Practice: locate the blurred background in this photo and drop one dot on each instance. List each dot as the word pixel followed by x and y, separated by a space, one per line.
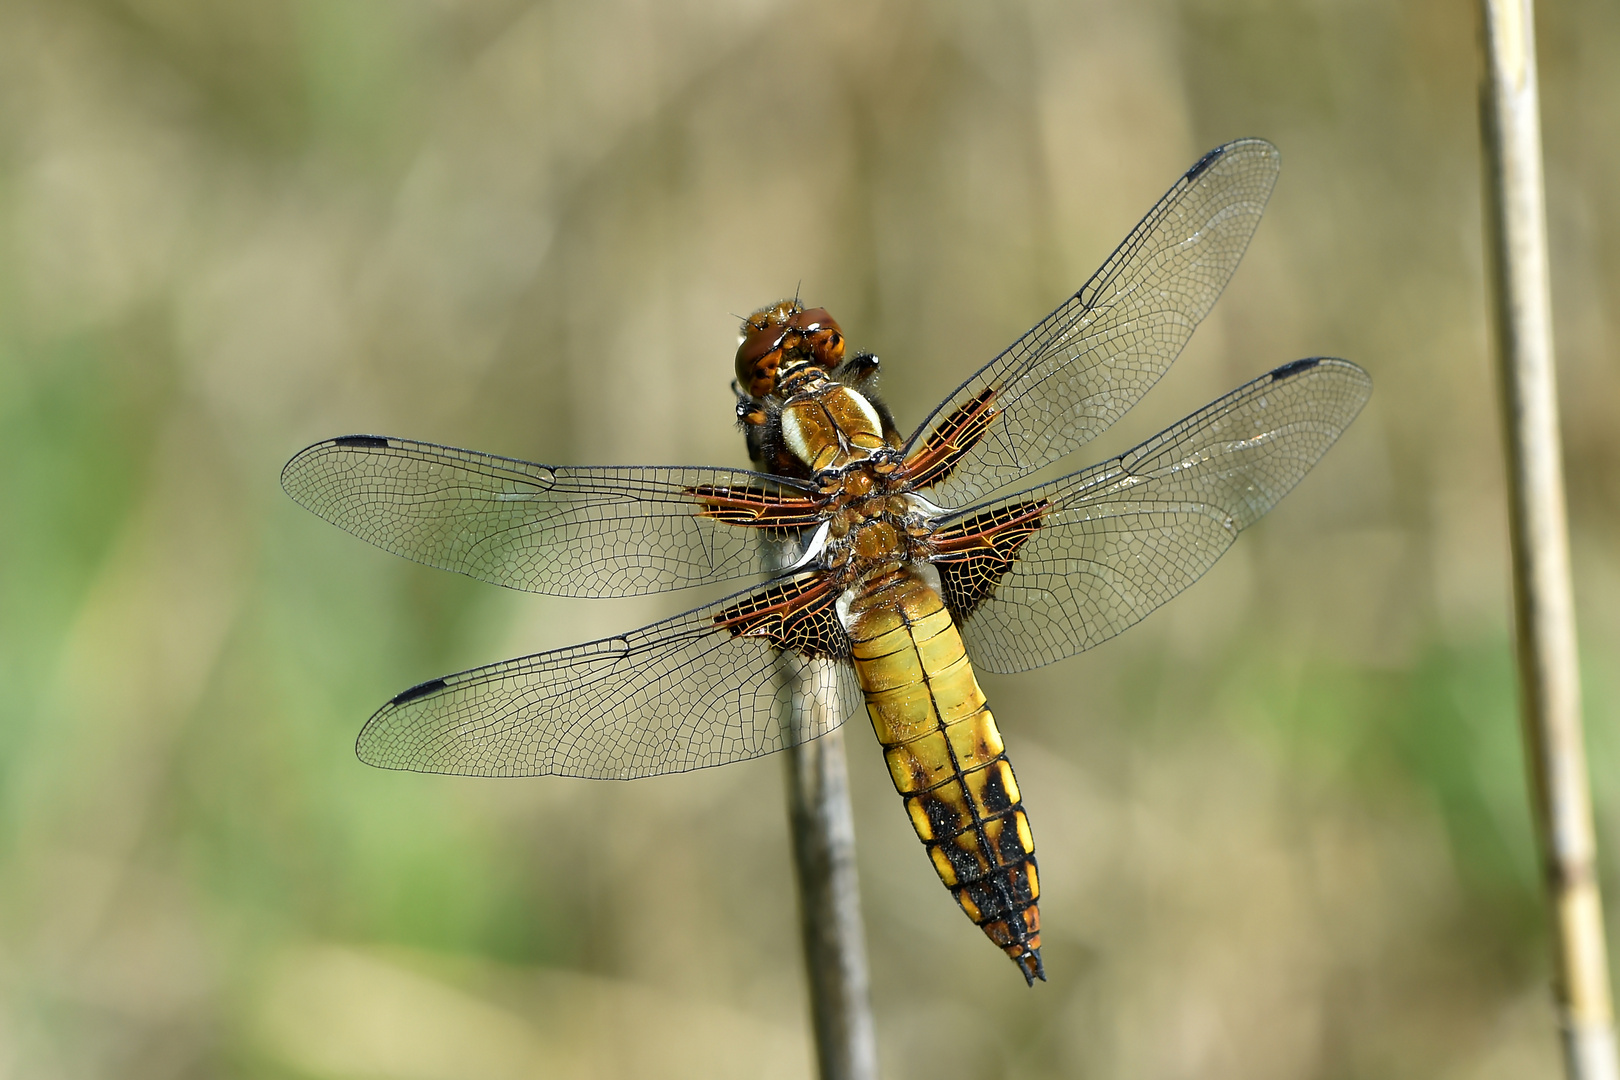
pixel 1282 824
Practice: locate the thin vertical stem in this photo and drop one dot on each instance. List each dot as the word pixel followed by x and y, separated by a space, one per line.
pixel 1544 604
pixel 830 908
pixel 822 823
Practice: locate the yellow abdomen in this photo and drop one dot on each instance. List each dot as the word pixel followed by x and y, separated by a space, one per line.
pixel 946 758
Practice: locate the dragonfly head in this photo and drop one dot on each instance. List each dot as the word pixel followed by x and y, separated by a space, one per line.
pixel 784 339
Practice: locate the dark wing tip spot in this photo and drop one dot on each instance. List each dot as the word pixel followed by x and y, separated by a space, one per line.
pixel 1205 162
pixel 363 442
pixel 420 690
pixel 1294 368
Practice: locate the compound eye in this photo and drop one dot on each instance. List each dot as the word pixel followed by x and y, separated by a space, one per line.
pixel 758 358
pixel 759 353
pixel 827 348
pixel 822 337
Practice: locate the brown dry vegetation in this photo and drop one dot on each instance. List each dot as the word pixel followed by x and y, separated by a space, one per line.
pixel 1282 824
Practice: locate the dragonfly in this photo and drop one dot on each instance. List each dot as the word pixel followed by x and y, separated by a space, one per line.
pixel 882 568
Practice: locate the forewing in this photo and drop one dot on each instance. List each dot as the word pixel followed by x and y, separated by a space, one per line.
pixel 1063 566
pixel 1084 365
pixel 714 685
pixel 564 531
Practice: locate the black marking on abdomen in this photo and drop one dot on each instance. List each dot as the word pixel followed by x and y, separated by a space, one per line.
pixel 996 799
pixel 992 898
pixel 969 866
pixel 1009 845
pixel 944 820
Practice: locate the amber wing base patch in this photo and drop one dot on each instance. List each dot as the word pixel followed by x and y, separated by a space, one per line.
pixel 975 554
pixel 756 507
pixel 947 444
pixel 798 615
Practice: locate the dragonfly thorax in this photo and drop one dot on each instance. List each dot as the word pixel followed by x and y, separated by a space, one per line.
pixel 873 524
pixel 831 427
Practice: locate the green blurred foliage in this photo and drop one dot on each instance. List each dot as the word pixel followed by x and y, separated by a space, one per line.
pixel 1282 825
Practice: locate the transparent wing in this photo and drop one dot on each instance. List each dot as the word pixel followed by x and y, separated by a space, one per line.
pixel 1083 366
pixel 704 688
pixel 1115 541
pixel 563 531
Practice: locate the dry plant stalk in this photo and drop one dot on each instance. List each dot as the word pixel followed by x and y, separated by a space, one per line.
pixel 822 823
pixel 1549 674
pixel 823 827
